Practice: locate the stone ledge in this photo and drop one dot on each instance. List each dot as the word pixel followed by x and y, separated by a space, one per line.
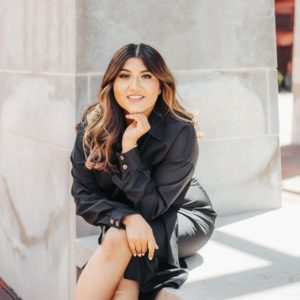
pixel 84 248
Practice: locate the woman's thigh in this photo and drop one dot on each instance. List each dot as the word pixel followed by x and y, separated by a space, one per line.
pixel 191 233
pixel 194 231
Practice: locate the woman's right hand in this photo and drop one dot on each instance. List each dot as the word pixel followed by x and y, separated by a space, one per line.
pixel 139 235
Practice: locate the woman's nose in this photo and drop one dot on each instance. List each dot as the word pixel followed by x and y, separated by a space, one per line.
pixel 134 82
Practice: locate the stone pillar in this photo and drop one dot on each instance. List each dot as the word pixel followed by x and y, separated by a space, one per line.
pixel 223 56
pixel 37 117
pixel 296 75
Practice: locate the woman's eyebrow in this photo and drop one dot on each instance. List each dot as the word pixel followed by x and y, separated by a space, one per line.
pixel 144 71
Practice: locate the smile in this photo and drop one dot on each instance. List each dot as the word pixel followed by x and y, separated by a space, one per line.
pixel 135 98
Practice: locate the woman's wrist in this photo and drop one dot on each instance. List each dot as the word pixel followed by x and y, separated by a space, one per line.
pixel 125 220
pixel 127 147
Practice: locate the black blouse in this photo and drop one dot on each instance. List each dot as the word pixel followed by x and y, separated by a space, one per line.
pixel 153 179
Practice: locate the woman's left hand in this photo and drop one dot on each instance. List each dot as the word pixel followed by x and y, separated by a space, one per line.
pixel 138 127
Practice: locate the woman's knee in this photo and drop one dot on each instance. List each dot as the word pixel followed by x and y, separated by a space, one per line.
pixel 115 238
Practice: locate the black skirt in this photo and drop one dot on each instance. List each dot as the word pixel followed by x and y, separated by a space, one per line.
pixel 179 233
pixel 153 275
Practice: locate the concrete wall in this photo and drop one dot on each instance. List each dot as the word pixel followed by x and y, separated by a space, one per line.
pixel 52 57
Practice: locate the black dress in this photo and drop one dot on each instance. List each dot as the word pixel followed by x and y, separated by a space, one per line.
pixel 156 180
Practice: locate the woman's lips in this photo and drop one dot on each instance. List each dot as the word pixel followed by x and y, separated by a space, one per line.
pixel 135 98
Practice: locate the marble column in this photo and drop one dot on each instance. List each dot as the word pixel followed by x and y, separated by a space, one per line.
pixel 223 55
pixel 37 117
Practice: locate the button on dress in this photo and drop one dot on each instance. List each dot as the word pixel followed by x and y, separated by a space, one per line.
pixel 154 179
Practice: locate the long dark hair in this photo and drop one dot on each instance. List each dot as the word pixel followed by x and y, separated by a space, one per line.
pixel 105 118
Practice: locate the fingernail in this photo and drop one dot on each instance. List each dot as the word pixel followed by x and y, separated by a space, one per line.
pixel 134 254
pixel 150 258
pixel 139 255
pixel 143 254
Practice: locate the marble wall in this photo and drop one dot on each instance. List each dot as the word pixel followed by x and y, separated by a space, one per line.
pixel 37 116
pixel 52 57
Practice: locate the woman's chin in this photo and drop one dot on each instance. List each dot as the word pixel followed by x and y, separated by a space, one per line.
pixel 139 110
pixel 136 111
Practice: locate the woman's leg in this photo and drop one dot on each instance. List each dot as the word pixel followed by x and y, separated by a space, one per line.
pixel 104 270
pixel 164 294
pixel 194 231
pixel 127 290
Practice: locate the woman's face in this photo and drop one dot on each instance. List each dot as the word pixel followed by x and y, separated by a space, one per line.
pixel 135 88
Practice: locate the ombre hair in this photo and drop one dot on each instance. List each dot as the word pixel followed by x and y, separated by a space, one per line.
pixel 105 118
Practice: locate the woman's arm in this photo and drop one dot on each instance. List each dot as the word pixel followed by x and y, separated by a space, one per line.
pixel 91 203
pixel 154 192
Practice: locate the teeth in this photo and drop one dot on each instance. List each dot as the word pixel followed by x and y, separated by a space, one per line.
pixel 135 97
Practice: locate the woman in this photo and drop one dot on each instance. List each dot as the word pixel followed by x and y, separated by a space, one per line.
pixel 132 166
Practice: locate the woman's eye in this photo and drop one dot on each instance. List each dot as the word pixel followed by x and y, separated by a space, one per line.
pixel 123 75
pixel 126 76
